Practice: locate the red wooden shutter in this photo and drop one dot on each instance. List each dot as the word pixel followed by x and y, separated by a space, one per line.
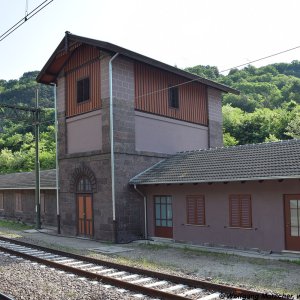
pixel 234 210
pixel 195 210
pixel 1 201
pixel 190 210
pixel 245 204
pixel 240 211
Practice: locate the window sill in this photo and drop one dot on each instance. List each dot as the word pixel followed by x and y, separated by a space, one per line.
pixel 244 228
pixel 82 102
pixel 195 225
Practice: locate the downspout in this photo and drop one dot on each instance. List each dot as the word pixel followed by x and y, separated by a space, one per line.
pixel 145 210
pixel 112 154
pixel 56 161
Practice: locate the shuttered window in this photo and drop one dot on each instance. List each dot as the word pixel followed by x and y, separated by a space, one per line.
pixel 42 200
pixel 1 201
pixel 18 201
pixel 195 208
pixel 240 211
pixel 173 97
pixel 83 90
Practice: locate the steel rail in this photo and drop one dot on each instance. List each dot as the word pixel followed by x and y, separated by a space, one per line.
pixel 5 297
pixel 211 287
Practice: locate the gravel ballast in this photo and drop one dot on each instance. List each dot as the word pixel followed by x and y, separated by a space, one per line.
pixel 258 274
pixel 25 280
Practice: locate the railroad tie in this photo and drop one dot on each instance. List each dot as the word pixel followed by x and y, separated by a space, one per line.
pixel 154 284
pixel 210 297
pixel 142 280
pixel 174 288
pixel 191 292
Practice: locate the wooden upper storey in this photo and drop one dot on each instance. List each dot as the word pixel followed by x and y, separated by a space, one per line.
pixel 79 58
pixel 84 63
pixel 151 89
pixel 152 92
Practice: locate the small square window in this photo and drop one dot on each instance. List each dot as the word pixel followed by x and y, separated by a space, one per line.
pixel 18 199
pixel 83 90
pixel 173 97
pixel 1 201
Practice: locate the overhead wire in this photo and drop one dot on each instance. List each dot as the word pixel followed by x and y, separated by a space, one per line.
pixel 26 18
pixel 225 70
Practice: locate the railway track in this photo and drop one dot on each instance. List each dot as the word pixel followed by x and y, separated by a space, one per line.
pixel 143 282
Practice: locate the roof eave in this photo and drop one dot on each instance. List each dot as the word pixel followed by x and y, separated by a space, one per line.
pixel 48 63
pixel 217 180
pixel 136 56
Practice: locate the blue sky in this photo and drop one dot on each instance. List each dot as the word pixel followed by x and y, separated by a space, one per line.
pixel 178 32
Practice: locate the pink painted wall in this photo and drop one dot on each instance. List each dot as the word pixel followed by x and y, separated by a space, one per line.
pixel 84 132
pixel 267 213
pixel 164 135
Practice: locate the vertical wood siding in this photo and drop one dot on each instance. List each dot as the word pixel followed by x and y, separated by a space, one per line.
pixel 84 63
pixel 151 95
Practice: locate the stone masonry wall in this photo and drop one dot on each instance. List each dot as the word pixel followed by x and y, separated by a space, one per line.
pixel 27 214
pixel 128 162
pixel 215 118
pixel 99 165
pixel 60 98
pixel 130 206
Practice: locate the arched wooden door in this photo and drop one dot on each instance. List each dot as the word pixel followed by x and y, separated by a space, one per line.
pixel 85 215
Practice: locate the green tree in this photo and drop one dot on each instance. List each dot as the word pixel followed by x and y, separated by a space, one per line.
pixel 293 128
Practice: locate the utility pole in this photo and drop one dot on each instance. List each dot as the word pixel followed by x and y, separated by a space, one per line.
pixel 36 122
pixel 37 161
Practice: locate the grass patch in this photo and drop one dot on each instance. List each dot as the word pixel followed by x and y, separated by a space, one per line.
pixel 143 262
pixel 14 225
pixel 201 252
pixel 295 262
pixel 154 247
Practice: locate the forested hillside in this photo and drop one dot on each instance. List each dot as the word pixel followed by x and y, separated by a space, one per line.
pixel 268 109
pixel 17 144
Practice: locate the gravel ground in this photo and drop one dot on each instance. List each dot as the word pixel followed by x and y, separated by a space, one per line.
pixel 25 281
pixel 258 274
pixel 252 273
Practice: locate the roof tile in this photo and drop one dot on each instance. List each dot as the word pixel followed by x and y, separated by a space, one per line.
pixel 246 162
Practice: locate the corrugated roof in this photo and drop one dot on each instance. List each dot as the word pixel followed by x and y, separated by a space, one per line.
pixel 26 180
pixel 277 160
pixel 70 43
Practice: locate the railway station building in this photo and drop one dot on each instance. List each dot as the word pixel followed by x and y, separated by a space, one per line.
pixel 122 118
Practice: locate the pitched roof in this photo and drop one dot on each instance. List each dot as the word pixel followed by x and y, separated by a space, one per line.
pixel 26 180
pixel 70 43
pixel 277 160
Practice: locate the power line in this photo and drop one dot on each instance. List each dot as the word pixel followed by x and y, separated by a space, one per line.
pixel 259 59
pixel 195 80
pixel 26 18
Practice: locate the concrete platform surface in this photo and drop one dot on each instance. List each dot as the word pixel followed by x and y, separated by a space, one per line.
pixel 50 236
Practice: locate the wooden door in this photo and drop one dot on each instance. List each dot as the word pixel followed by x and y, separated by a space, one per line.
pixel 163 216
pixel 85 215
pixel 292 222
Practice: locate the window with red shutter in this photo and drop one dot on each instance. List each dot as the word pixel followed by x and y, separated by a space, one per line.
pixel 195 210
pixel 240 211
pixel 1 201
pixel 18 199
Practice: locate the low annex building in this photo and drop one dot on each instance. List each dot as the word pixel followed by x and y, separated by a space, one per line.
pixel 244 196
pixel 17 197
